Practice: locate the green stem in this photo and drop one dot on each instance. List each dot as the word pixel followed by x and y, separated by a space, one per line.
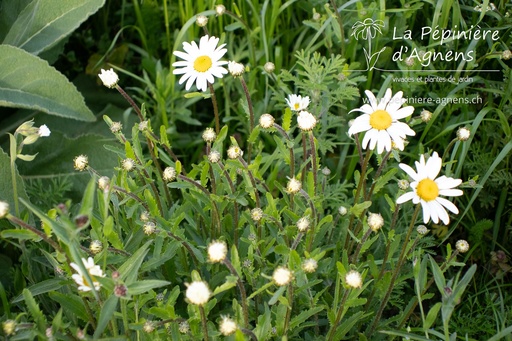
pixel 243 294
pixel 251 115
pixel 288 309
pixel 396 271
pixel 215 108
pixel 332 330
pixel 203 323
pixel 313 159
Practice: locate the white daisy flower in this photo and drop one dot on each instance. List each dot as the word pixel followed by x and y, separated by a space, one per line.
pixel 306 121
pixel 94 271
pixel 297 102
pixel 354 279
pixel 109 78
pixel 201 63
pixel 217 251
pixel 427 189
pixel 282 276
pixel 380 121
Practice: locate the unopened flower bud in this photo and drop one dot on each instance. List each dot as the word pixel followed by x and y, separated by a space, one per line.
pixel 342 210
pixel 103 183
pixel 227 326
pixel 375 221
pixel 462 246
pixel 217 251
pixel 128 164
pixel 269 67
pixel 354 279
pixel 294 186
pixel 116 127
pixel 236 69
pixel 209 135
pixel 4 209
pixel 310 265
pixel 282 276
pixel 9 327
pixel 214 156
pixel 96 246
pixel 81 162
pixel 120 290
pixel 109 78
pixel 267 121
pixel 220 9
pixel 149 228
pixel 148 327
pixel 403 184
pixel 201 20
pixel 303 224
pixel 256 214
pixel 463 134
pixel 425 115
pixel 234 152
pixel 169 174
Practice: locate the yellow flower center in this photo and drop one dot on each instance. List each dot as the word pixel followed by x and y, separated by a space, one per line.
pixel 427 189
pixel 380 119
pixel 202 63
pixel 296 106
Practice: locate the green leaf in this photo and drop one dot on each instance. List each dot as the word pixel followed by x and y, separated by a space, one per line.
pixel 34 310
pixel 277 295
pixel 20 234
pixel 27 81
pixel 43 23
pixel 297 320
pixel 129 270
pixel 42 288
pixel 70 303
pixel 141 287
pixel 431 316
pixel 230 283
pixel 106 313
pixel 358 209
pixel 383 180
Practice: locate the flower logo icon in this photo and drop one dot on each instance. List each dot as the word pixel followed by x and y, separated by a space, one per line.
pixel 367 30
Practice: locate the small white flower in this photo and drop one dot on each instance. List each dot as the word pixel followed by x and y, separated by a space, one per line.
pixel 109 78
pixel 294 186
pixel 209 135
pixel 506 55
pixel 425 115
pixel 96 246
pixel 93 270
pixel 116 127
pixel 198 293
pixel 269 67
pixel 256 214
pixel 380 122
pixel 103 183
pixel 201 63
pixel 227 326
pixel 9 327
pixel 422 230
pixel 403 184
pixel 267 121
pixel 236 69
pixel 310 265
pixel 375 221
pixel 306 121
pixel 463 134
pixel 143 126
pixel 409 61
pixel 144 216
pixel 201 20
pixel 462 246
pixel 217 251
pixel 128 164
pixel 81 162
pixel 303 224
pixel 234 152
pixel 4 209
pixel 297 102
pixel 326 171
pixel 353 279
pixel 220 9
pixel 427 189
pixel 214 156
pixel 282 276
pixel 169 174
pixel 149 228
pixel 184 327
pixel 44 131
pixel 148 327
pixel 316 16
pixel 342 210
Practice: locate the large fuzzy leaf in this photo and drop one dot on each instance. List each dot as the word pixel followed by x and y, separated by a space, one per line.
pixel 43 23
pixel 27 81
pixel 6 188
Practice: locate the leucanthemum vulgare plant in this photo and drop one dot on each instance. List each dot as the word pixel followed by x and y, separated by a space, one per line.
pixel 259 243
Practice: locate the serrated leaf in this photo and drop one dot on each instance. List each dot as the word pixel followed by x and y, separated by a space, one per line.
pixel 383 180
pixel 34 310
pixel 41 288
pixel 43 23
pixel 358 209
pixel 129 270
pixel 27 81
pixel 287 119
pixel 20 235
